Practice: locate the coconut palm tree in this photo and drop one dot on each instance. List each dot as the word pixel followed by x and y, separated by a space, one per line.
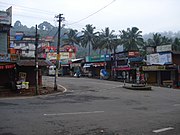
pixel 106 39
pixel 176 44
pixel 72 37
pixel 131 38
pixel 88 37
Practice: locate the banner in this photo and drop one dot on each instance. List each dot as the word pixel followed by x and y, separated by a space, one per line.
pixel 159 58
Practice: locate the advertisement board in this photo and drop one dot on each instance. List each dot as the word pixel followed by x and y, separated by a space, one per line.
pixel 4 57
pixel 159 58
pixel 6 16
pixel 164 48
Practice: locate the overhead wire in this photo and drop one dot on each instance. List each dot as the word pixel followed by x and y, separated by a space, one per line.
pixel 28 8
pixel 93 13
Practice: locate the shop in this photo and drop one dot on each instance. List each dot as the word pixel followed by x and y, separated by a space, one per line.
pixel 27 68
pixel 95 63
pixel 165 75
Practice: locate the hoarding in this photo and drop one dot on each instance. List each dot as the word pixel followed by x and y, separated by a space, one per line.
pixel 164 48
pixel 159 58
pixel 6 16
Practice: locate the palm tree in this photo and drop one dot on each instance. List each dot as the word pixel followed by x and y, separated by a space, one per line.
pixel 176 44
pixel 132 38
pixel 88 37
pixel 158 40
pixel 72 37
pixel 106 39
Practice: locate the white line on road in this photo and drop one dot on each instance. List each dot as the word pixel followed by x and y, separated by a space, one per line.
pixel 176 105
pixel 162 129
pixel 73 113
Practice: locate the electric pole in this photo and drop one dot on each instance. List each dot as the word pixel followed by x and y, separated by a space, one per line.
pixel 58 47
pixel 36 62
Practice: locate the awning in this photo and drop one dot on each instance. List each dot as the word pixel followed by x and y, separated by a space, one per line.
pixel 122 69
pixel 136 59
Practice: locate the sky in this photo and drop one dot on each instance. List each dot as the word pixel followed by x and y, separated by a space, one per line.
pixel 147 15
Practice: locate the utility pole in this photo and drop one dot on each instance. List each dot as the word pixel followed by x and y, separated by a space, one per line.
pixel 58 54
pixel 36 62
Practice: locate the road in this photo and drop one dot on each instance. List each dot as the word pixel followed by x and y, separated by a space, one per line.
pixel 92 107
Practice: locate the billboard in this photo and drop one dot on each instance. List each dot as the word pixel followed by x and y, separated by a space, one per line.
pixel 159 58
pixel 6 16
pixel 164 48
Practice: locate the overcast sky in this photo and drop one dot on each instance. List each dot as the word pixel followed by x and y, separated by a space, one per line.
pixel 147 15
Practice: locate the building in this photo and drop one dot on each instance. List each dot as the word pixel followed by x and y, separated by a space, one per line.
pixel 163 66
pixel 7 61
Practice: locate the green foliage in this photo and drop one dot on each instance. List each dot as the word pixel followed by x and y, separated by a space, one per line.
pixel 89 37
pixel 72 37
pixel 132 39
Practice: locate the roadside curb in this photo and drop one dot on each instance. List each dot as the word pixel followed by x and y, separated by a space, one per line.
pixel 35 96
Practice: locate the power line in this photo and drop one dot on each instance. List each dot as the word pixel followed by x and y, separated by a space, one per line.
pixel 24 7
pixel 92 13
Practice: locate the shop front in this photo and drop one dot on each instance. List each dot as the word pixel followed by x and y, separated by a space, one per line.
pixel 165 75
pixel 96 63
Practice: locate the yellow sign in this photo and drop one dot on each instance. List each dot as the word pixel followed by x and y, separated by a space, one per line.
pixel 58 56
pixel 153 68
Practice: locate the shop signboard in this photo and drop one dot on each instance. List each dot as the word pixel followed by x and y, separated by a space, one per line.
pixel 63 55
pixel 133 54
pixel 164 48
pixel 98 58
pixel 4 57
pixel 153 68
pixel 14 57
pixel 121 56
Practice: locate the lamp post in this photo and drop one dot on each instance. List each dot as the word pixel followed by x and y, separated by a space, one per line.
pixel 58 54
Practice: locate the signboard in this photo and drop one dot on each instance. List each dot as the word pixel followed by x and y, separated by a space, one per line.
pixel 164 48
pixel 98 58
pixel 134 53
pixel 159 58
pixel 63 55
pixel 150 50
pixel 121 56
pixel 14 57
pixel 4 57
pixel 6 16
pixel 153 68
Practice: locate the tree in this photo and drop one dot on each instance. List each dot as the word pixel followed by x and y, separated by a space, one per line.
pixel 72 37
pixel 106 39
pixel 176 44
pixel 157 40
pixel 131 38
pixel 88 37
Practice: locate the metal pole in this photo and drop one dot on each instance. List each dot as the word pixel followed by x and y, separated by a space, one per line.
pixel 36 63
pixel 58 55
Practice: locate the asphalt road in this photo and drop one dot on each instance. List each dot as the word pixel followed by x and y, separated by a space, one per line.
pixel 92 107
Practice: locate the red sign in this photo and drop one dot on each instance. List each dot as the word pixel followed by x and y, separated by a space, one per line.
pixel 133 54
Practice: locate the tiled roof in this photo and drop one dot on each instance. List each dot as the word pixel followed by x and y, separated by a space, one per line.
pixel 32 63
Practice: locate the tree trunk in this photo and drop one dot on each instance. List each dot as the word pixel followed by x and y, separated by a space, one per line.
pixel 89 52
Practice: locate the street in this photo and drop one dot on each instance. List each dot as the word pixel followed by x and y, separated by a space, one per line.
pixel 92 107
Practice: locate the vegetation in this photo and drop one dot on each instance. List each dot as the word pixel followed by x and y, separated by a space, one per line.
pixel 91 41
